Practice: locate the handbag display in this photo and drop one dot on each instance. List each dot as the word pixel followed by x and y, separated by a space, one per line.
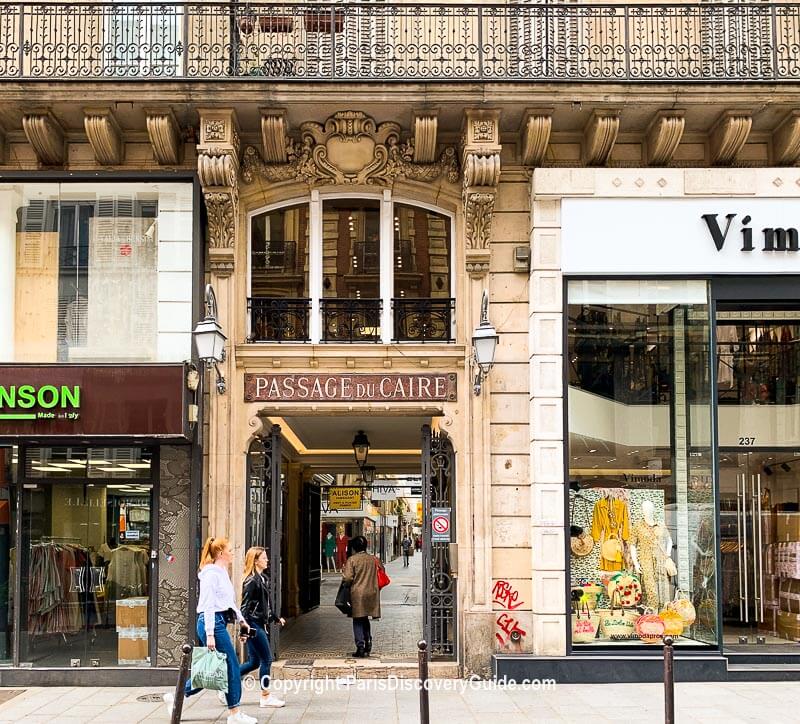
pixel 617 622
pixel 209 669
pixel 650 627
pixel 585 625
pixel 673 622
pixel 581 542
pixel 683 607
pixel 627 587
pixel 670 568
pixel 612 548
pixel 343 602
pixel 383 578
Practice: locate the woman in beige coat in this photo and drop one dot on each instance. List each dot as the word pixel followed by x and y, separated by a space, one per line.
pixel 360 571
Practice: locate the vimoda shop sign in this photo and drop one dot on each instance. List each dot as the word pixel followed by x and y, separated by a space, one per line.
pixel 350 388
pixel 775 238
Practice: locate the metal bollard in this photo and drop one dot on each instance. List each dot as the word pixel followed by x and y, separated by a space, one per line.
pixel 669 682
pixel 424 707
pixel 183 675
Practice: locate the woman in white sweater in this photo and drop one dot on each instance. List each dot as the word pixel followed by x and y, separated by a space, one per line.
pixel 216 608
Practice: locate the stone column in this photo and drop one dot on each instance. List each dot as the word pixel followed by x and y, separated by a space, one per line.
pixel 218 170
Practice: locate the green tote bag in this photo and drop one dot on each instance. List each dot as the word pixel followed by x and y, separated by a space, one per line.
pixel 209 669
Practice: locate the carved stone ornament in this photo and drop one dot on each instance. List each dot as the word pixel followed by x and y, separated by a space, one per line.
pixel 164 133
pixel 599 137
pixel 535 132
pixel 478 210
pixel 349 148
pixel 786 141
pixel 274 140
pixel 221 209
pixel 46 136
pixel 664 136
pixel 104 134
pixel 728 136
pixel 426 126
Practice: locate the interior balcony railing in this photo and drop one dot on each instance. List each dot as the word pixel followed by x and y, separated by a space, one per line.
pixel 365 41
pixel 351 320
pixel 423 320
pixel 274 319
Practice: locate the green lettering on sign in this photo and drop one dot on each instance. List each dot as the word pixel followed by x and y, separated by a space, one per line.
pixel 26 397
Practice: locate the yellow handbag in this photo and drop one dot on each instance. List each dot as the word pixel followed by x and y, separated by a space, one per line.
pixel 673 622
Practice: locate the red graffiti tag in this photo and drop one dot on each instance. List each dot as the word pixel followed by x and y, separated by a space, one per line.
pixel 505 595
pixel 510 626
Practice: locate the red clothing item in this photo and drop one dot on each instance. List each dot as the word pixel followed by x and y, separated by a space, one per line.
pixel 341 549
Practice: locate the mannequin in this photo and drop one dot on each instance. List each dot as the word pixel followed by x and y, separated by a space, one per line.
pixel 651 546
pixel 341 547
pixel 330 552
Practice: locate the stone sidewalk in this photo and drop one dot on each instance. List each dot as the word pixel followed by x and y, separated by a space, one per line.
pixel 584 704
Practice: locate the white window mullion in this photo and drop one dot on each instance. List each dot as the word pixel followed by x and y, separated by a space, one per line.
pixel 387 265
pixel 315 266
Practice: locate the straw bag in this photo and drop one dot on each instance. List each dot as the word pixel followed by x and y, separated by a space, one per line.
pixel 625 585
pixel 584 625
pixel 650 627
pixel 581 542
pixel 612 548
pixel 683 607
pixel 616 622
pixel 673 622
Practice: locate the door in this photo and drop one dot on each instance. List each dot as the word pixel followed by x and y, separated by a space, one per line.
pixel 758 391
pixel 439 584
pixel 265 512
pixel 311 572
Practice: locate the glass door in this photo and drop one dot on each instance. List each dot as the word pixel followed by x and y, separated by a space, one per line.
pixel 758 389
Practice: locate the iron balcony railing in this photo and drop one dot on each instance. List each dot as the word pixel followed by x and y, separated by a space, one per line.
pixel 275 319
pixel 351 320
pixel 542 41
pixel 423 320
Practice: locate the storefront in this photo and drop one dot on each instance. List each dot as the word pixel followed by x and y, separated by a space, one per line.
pixel 681 409
pixel 97 469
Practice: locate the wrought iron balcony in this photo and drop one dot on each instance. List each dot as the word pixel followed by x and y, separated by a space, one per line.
pixel 722 42
pixel 351 320
pixel 423 320
pixel 278 319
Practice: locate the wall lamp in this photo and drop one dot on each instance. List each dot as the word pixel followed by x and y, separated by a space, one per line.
pixel 484 344
pixel 209 339
pixel 361 449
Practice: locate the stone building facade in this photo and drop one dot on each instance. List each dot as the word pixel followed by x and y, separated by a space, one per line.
pixel 284 107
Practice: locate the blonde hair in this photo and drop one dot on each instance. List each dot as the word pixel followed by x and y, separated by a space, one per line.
pixel 250 560
pixel 211 550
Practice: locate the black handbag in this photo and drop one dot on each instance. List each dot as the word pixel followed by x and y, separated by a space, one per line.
pixel 342 601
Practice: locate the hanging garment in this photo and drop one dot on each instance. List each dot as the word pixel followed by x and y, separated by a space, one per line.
pixel 727 343
pixel 651 542
pixel 610 520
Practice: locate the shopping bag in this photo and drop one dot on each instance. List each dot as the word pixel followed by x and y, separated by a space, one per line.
pixel 383 577
pixel 209 669
pixel 342 601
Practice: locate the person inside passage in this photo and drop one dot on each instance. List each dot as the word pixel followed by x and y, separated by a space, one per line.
pixel 361 573
pixel 216 608
pixel 257 610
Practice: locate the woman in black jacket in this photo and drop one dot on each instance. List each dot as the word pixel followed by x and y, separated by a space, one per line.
pixel 257 611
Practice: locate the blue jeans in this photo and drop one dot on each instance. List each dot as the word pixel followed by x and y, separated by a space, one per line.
pixel 225 646
pixel 259 656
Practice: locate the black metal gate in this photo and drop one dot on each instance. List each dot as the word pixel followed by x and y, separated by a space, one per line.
pixel 439 585
pixel 311 580
pixel 264 512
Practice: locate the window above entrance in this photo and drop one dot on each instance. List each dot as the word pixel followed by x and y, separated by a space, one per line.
pixel 351 270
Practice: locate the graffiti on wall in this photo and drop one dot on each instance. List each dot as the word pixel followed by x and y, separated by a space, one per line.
pixel 508 629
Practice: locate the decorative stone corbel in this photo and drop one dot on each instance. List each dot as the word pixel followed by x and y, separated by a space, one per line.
pixel 481 164
pixel 46 135
pixel 218 171
pixel 274 138
pixel 728 136
pixel 786 141
pixel 535 135
pixel 165 136
pixel 3 145
pixel 664 136
pixel 599 136
pixel 426 125
pixel 104 134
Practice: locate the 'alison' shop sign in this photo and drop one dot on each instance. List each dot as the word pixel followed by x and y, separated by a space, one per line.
pixel 350 388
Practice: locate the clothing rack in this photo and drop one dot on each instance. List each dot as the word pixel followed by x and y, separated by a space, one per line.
pixel 45 539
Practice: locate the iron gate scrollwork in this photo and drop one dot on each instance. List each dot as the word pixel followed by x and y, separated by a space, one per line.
pixel 264 515
pixel 440 584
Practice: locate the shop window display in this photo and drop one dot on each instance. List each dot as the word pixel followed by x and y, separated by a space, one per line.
pixel 8 472
pixel 85 561
pixel 641 499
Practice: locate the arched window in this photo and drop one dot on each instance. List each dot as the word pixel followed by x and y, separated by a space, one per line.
pixel 351 270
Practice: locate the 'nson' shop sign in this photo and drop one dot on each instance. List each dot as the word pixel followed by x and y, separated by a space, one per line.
pixel 48 402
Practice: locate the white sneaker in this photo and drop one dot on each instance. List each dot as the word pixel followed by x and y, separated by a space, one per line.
pixel 222 698
pixel 270 701
pixel 169 702
pixel 241 718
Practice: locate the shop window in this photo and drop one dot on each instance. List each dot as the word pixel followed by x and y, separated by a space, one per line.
pixel 85 557
pixel 96 272
pixel 8 505
pixel 641 498
pixel 365 270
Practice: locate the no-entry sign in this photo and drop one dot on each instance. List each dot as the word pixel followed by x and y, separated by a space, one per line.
pixel 440 525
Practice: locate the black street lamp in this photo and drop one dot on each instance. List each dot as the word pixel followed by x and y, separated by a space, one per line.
pixel 361 448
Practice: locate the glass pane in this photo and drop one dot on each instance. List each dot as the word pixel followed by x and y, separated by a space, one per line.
pixel 72 256
pixel 8 504
pixel 641 485
pixel 85 564
pixel 421 253
pixel 279 253
pixel 351 249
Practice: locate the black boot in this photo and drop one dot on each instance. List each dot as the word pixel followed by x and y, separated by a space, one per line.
pixel 359 653
pixel 368 647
